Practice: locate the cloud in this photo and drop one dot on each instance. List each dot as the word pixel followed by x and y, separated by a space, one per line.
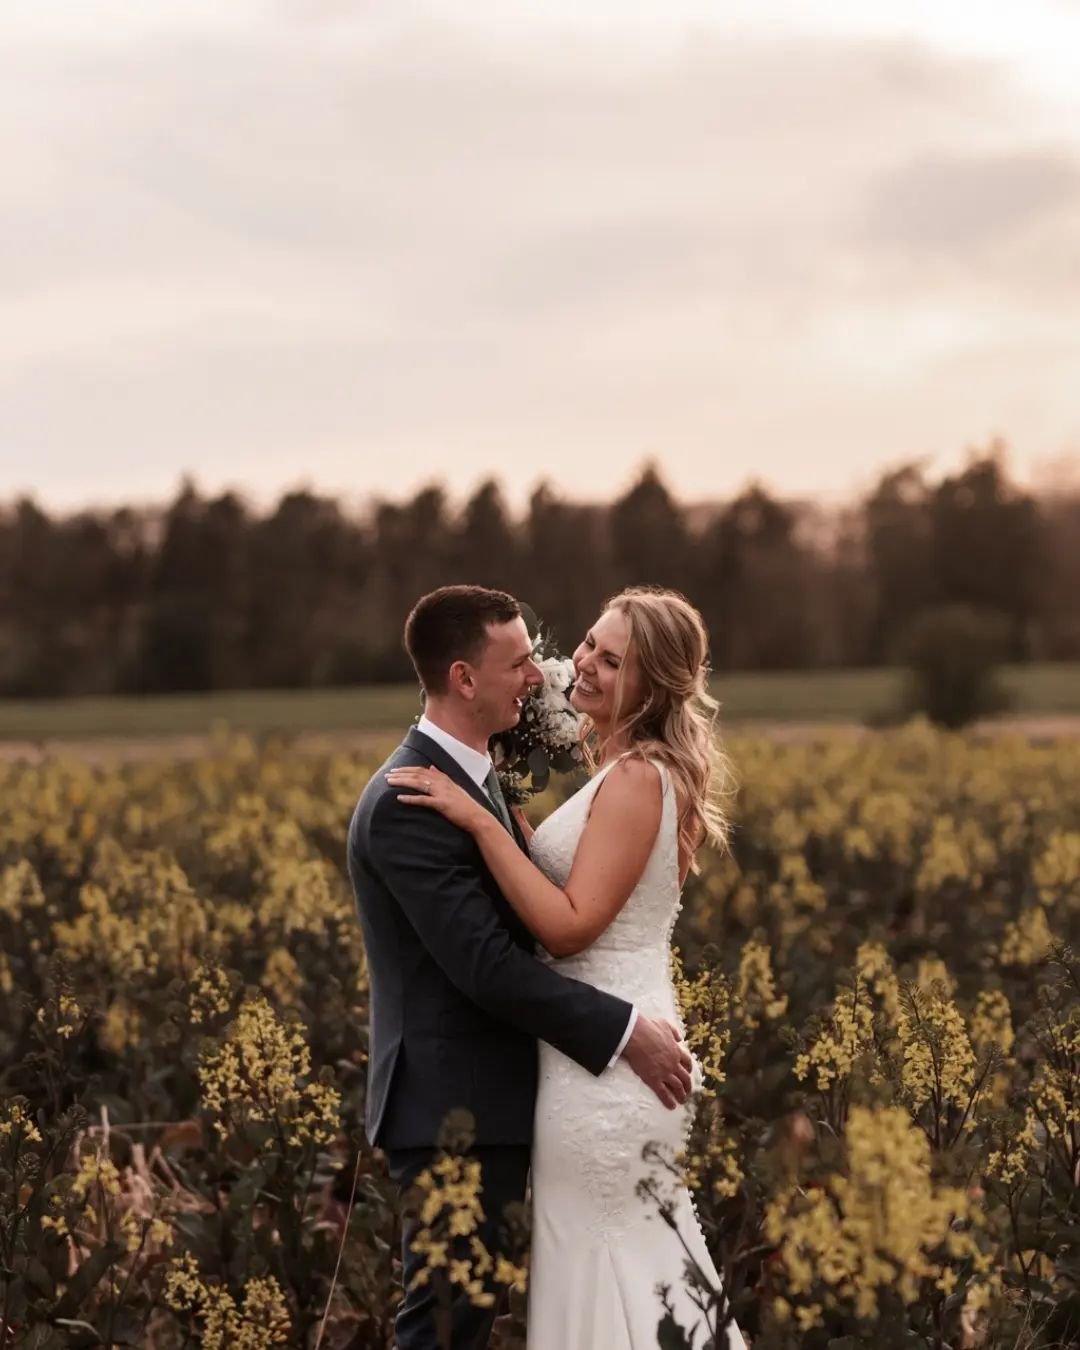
pixel 369 248
pixel 954 202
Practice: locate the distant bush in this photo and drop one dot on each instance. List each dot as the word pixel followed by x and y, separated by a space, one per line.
pixel 953 653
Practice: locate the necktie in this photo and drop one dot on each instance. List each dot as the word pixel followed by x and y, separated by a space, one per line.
pixel 494 791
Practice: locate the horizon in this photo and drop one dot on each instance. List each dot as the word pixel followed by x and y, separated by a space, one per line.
pixel 1063 482
pixel 356 248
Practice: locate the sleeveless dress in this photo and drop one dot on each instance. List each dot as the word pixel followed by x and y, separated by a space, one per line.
pixel 599 1250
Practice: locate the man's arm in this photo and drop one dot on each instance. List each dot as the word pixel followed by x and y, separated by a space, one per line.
pixel 431 868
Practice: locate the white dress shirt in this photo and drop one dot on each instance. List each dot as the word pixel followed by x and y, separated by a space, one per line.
pixel 478 766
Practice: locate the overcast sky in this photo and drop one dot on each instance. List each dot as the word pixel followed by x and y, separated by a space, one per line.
pixel 367 243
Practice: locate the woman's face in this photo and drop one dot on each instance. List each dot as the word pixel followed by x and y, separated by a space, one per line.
pixel 598 661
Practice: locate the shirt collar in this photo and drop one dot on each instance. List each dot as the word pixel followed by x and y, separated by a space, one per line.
pixel 476 765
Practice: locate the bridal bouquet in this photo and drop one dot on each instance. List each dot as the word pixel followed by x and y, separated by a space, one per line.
pixel 546 737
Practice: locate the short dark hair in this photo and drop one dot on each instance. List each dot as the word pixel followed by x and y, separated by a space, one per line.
pixel 450 625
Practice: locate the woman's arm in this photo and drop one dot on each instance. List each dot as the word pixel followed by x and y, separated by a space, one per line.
pixel 431 870
pixel 523 823
pixel 618 838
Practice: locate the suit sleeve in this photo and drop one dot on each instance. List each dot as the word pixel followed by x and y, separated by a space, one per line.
pixel 431 868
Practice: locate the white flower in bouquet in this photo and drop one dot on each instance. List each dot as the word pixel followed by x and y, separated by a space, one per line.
pixel 547 736
pixel 558 673
pixel 556 717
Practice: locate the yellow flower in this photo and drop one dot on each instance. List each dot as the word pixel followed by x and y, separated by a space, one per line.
pixel 706 1005
pixel 138 914
pixel 122 1027
pixel 1055 1088
pixel 513 1276
pixel 795 887
pixel 938 1061
pixel 1028 940
pixel 947 1280
pixel 15 1122
pixel 756 988
pixel 876 1227
pixel 959 852
pixel 95 1169
pixel 306 896
pixel 20 890
pixel 210 993
pixel 991 1022
pixel 256 1075
pixel 1056 872
pixel 259 1321
pixel 1011 1162
pixel 451 1211
pixel 840 1039
pixel 283 977
pixel 931 970
pixel 66 1018
pixel 874 968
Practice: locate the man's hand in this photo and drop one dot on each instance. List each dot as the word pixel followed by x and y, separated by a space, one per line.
pixel 657 1055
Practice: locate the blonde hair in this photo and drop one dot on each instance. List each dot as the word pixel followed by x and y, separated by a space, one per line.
pixel 675 722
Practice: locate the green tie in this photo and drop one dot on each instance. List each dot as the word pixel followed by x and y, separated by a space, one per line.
pixel 498 801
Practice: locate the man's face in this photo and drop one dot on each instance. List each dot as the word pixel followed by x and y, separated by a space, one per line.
pixel 503 676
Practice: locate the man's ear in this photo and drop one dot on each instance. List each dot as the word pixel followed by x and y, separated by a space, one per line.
pixel 462 680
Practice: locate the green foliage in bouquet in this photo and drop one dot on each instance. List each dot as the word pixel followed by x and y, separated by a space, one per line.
pixel 547 738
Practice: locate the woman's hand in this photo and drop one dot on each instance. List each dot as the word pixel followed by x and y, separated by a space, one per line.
pixel 433 788
pixel 522 822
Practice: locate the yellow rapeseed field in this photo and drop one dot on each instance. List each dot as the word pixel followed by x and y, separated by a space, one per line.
pixel 878 980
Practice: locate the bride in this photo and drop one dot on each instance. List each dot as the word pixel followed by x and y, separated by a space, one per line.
pixel 601 894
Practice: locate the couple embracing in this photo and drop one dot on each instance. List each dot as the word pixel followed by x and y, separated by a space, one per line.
pixel 524 975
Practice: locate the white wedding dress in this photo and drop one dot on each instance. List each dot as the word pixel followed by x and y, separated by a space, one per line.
pixel 599 1250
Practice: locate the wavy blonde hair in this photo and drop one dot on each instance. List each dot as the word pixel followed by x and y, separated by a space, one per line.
pixel 675 722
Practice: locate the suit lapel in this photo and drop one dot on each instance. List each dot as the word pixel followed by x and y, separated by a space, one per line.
pixel 435 754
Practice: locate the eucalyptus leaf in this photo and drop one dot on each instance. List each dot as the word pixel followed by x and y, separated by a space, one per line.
pixel 532 623
pixel 538 762
pixel 563 761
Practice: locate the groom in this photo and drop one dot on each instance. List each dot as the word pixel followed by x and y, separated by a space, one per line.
pixel 458 1000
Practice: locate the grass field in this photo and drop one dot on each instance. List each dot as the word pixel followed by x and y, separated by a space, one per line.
pixel 791 696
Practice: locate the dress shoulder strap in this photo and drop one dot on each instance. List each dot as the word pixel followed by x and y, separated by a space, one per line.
pixel 666 785
pixel 662 769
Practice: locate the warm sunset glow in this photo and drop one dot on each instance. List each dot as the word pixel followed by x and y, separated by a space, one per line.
pixel 365 244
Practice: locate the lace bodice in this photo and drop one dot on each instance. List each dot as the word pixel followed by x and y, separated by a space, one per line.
pixel 632 956
pixel 600 1250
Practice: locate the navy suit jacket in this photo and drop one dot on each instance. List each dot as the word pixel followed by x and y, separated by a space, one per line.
pixel 458 1000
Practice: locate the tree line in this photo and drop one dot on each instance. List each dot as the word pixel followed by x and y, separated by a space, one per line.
pixel 207 593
